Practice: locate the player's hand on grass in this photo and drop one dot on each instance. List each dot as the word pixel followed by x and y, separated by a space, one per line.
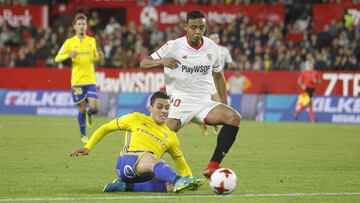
pixel 170 63
pixel 73 54
pixel 80 152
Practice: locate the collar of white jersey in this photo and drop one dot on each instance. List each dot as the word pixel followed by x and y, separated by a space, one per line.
pixel 193 46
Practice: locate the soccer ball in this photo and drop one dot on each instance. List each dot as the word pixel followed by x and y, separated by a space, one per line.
pixel 223 181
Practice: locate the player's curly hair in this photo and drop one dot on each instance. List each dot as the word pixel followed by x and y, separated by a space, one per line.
pixel 157 95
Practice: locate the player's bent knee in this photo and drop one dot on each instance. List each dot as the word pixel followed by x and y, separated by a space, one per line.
pixel 234 119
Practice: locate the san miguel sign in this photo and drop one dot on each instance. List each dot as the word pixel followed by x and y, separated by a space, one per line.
pixel 168 16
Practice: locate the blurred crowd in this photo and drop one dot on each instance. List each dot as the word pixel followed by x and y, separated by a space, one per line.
pixel 178 2
pixel 254 47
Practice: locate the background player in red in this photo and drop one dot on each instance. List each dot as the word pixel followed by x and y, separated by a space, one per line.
pixel 308 80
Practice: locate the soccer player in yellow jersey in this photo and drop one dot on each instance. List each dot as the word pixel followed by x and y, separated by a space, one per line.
pixel 147 138
pixel 82 51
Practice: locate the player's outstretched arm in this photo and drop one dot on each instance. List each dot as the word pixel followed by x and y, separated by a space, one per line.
pixel 148 63
pixel 103 130
pixel 96 137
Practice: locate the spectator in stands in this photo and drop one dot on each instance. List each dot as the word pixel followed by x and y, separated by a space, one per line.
pixel 294 34
pixel 296 63
pixel 244 63
pixel 5 34
pixel 111 26
pixel 325 37
pixel 243 36
pixel 43 50
pixel 95 22
pixel 24 58
pixel 257 64
pixel 283 62
pixel 108 50
pixel 156 37
pixel 320 63
pixel 268 64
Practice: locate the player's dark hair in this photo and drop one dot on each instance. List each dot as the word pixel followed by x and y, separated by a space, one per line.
pixel 194 15
pixel 79 16
pixel 158 95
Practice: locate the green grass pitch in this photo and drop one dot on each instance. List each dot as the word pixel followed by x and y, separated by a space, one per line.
pixel 274 162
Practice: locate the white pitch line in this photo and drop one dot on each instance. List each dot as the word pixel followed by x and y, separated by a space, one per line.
pixel 177 196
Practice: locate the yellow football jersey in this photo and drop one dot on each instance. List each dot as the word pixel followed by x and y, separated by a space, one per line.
pixel 83 71
pixel 143 134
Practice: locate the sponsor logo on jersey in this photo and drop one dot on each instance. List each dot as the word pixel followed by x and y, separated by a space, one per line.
pixel 195 69
pixel 154 137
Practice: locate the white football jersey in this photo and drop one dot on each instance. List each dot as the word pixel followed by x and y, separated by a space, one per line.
pixel 225 56
pixel 194 74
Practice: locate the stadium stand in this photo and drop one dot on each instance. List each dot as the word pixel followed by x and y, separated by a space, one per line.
pixel 259 47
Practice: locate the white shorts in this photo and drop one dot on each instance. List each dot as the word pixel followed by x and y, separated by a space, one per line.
pixel 187 109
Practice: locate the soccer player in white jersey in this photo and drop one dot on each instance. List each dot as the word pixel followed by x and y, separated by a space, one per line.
pixel 225 61
pixel 191 64
pixel 225 56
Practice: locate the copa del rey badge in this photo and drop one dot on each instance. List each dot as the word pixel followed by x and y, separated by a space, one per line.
pixel 209 56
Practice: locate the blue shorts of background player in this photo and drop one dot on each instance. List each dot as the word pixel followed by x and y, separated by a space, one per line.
pixel 81 95
pixel 82 92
